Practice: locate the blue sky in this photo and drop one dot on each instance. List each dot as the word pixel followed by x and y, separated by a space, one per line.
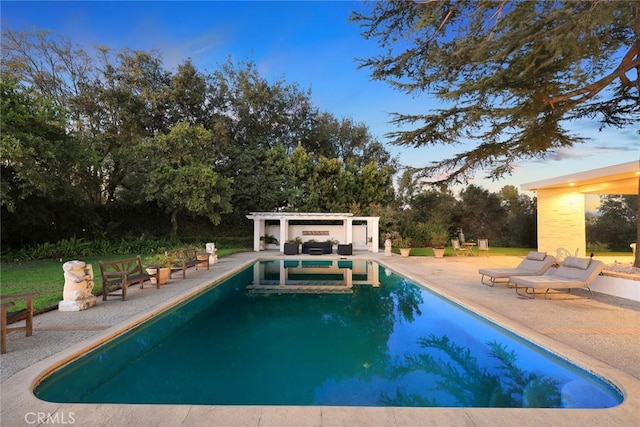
pixel 307 43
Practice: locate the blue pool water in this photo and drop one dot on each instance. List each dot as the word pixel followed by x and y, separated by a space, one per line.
pixel 288 333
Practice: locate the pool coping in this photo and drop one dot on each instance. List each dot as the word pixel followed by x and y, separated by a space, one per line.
pixel 21 407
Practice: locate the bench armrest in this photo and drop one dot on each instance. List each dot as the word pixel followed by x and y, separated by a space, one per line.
pixel 12 297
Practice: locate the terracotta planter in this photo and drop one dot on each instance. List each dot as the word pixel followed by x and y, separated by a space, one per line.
pixel 405 251
pixel 202 260
pixel 439 252
pixel 164 275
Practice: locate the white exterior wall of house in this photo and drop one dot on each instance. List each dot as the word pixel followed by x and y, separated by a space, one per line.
pixel 623 287
pixel 561 216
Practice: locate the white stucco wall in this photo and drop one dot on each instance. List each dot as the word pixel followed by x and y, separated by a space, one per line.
pixel 561 221
pixel 617 286
pixel 336 232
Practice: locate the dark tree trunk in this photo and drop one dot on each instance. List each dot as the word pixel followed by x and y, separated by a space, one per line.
pixel 174 225
pixel 636 262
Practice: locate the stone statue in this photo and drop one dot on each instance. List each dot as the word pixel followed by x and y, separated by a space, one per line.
pixel 211 250
pixel 387 247
pixel 78 284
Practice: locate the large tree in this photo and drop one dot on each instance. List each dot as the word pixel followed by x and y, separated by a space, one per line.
pixel 257 115
pixel 320 184
pixel 481 215
pixel 112 99
pixel 520 228
pixel 44 172
pixel 615 225
pixel 346 140
pixel 182 177
pixel 511 74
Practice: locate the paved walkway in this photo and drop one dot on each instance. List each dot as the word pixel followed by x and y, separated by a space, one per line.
pixel 601 334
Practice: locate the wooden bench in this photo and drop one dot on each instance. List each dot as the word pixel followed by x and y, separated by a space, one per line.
pixel 7 317
pixel 186 258
pixel 121 274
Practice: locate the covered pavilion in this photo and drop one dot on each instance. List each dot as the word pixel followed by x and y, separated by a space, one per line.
pixel 343 228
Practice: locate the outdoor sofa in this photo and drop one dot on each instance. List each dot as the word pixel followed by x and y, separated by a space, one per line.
pixel 317 248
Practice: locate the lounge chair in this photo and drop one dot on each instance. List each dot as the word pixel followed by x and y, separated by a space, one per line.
pixel 535 264
pixel 573 273
pixel 6 317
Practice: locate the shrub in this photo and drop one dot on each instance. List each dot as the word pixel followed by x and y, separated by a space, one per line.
pixel 597 247
pixel 438 236
pixel 78 247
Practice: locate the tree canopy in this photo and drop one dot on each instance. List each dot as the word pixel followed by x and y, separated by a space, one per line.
pixel 615 226
pixel 110 143
pixel 113 135
pixel 510 74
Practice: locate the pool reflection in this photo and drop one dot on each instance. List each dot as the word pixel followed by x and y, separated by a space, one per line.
pixel 313 276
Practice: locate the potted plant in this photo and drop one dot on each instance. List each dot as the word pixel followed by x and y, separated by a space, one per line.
pixel 160 264
pixel 203 259
pixel 402 243
pixel 267 239
pixel 334 244
pixel 438 240
pixel 298 242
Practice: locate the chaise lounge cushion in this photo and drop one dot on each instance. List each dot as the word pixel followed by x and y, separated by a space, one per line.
pixel 575 262
pixel 536 256
pixel 567 276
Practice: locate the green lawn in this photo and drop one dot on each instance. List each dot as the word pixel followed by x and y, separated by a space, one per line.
pixel 449 251
pixel 500 251
pixel 46 277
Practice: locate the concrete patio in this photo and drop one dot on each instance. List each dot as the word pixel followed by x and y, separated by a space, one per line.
pixel 600 334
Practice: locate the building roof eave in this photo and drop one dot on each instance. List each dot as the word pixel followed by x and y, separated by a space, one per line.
pixel 298 215
pixel 616 179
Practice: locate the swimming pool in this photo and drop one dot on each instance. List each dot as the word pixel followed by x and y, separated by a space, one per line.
pixel 368 337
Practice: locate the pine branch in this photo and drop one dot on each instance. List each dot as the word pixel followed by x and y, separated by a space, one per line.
pixel 629 61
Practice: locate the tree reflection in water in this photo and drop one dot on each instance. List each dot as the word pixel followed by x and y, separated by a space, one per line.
pixel 471 385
